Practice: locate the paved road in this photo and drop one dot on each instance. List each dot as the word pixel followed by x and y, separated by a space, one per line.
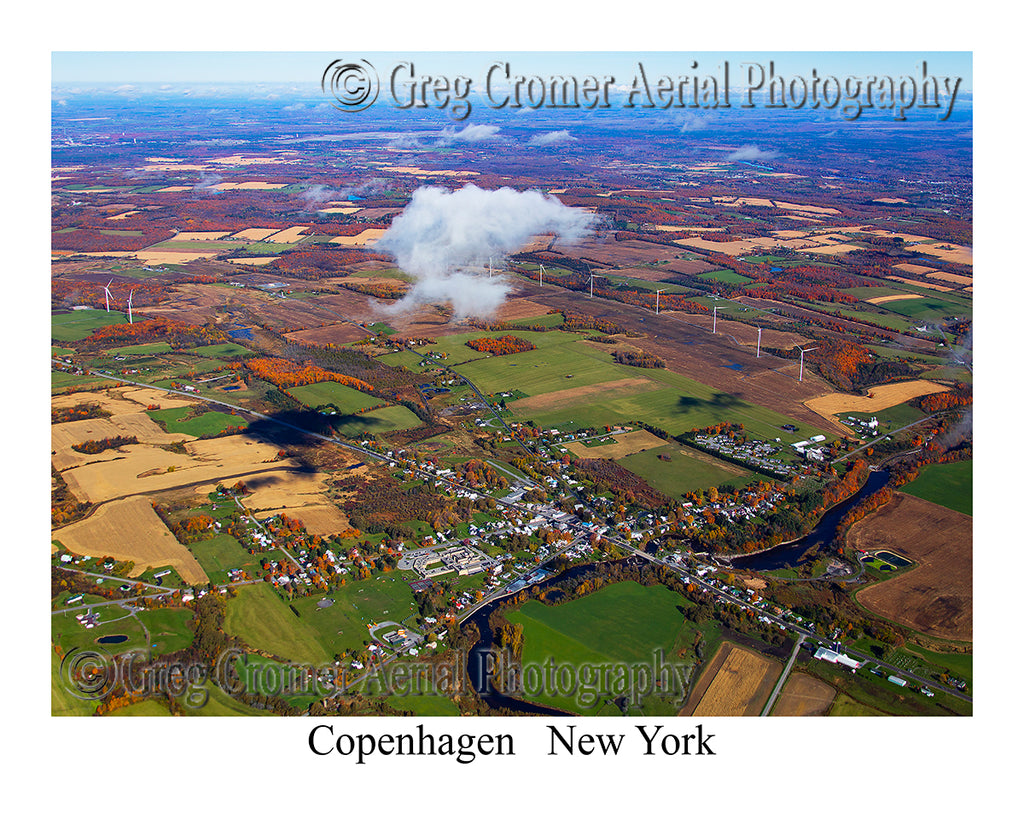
pixel 782 678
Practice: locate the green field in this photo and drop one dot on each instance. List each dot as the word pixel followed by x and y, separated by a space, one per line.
pixel 621 623
pixel 346 399
pixel 223 552
pixel 889 418
pixel 62 380
pixel 78 324
pixel 675 403
pixel 155 348
pixel 344 625
pixel 374 422
pixel 843 706
pixel 950 485
pixel 168 629
pixel 264 621
pixel 725 276
pixel 208 423
pixel 680 475
pixel 228 350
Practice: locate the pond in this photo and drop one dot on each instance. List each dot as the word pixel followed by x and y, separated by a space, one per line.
pixel 112 638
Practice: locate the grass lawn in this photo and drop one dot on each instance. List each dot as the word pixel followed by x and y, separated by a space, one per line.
pixel 950 485
pixel 889 418
pixel 346 399
pixel 621 623
pixel 265 622
pixel 78 324
pixel 683 473
pixel 208 423
pixel 61 380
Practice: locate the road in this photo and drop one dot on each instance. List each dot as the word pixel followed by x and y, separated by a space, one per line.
pixel 782 678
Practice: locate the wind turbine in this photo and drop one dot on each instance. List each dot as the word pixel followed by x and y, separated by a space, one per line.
pixel 714 321
pixel 490 267
pixel 130 307
pixel 592 277
pixel 542 275
pixel 802 351
pixel 657 300
pixel 106 293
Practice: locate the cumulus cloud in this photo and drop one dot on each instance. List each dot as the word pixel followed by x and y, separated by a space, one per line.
pixel 750 153
pixel 471 133
pixel 446 240
pixel 551 138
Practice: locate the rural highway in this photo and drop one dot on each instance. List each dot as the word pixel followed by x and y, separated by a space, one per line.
pixel 782 677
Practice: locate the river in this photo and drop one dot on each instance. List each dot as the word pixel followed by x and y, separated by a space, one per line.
pixel 792 554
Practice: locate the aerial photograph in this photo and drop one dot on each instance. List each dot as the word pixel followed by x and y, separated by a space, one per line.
pixel 473 384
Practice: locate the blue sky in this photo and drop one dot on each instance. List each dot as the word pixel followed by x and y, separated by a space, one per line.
pixel 227 67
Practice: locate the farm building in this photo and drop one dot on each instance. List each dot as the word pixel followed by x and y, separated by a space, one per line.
pixel 836 658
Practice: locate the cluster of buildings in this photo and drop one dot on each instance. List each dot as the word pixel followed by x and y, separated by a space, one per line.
pixel 760 455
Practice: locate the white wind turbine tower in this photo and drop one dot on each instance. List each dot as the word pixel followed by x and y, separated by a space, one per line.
pixel 802 351
pixel 758 342
pixel 592 277
pixel 490 267
pixel 542 275
pixel 657 300
pixel 106 293
pixel 130 307
pixel 714 321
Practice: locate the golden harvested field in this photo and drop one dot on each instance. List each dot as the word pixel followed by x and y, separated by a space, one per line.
pixel 929 285
pixel 199 235
pixel 288 235
pixel 740 683
pixel 803 696
pixel 580 395
pixel 935 597
pixel 807 208
pixel 951 277
pixel 737 247
pixel 122 400
pixel 282 488
pixel 367 237
pixel 345 209
pixel 175 189
pixel 318 520
pixel 146 468
pixel 172 256
pixel 129 529
pixel 624 444
pixel 124 215
pixel 881 397
pixel 835 250
pixel 901 297
pixel 249 186
pixel 137 424
pixel 514 309
pixel 919 269
pixel 238 159
pixel 949 253
pixel 256 261
pixel 255 234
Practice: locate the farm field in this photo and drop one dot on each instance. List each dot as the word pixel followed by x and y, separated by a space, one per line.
pixel 78 324
pixel 184 420
pixel 686 470
pixel 950 485
pixel 129 529
pixel 264 621
pixel 318 520
pixel 803 696
pixel 620 446
pixel 934 598
pixel 346 399
pixel 624 622
pixel 736 683
pixel 881 397
pixel 386 419
pixel 344 625
pixel 223 552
